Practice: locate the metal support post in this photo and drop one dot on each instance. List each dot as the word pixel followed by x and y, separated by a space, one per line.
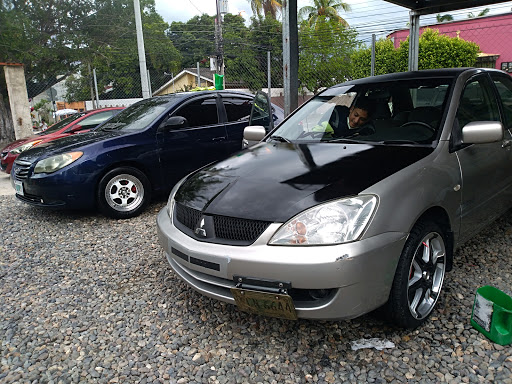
pixel 142 53
pixel 414 39
pixel 290 56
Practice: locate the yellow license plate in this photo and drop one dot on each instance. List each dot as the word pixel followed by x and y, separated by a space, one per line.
pixel 263 303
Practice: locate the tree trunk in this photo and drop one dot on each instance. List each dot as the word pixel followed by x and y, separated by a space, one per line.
pixel 6 126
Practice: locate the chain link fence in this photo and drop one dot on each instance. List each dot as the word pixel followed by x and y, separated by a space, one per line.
pixel 324 60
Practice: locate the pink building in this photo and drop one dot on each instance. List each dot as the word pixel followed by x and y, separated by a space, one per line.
pixel 492 33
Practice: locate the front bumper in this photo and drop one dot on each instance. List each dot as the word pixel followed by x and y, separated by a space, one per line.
pixel 359 274
pixel 62 190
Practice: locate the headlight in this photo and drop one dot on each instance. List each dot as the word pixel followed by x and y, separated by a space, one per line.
pixel 54 163
pixel 336 222
pixel 170 201
pixel 24 147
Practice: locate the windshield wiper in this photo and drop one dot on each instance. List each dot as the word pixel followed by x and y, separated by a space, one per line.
pixel 399 142
pixel 342 140
pixel 280 139
pixel 112 126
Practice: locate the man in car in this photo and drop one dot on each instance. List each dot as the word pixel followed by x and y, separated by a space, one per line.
pixel 354 121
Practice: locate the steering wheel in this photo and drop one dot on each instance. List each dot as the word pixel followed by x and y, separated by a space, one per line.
pixel 426 125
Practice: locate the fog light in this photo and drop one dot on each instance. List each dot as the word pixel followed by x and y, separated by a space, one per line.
pixel 318 294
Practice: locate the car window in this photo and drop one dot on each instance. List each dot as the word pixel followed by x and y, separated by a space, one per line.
pixel 94 120
pixel 504 86
pixel 237 108
pixel 477 103
pixel 61 124
pixel 260 113
pixel 399 112
pixel 200 112
pixel 139 115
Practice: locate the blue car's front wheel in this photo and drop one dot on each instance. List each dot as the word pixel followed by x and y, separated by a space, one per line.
pixel 123 192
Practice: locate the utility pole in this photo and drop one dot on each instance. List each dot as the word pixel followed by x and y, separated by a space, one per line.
pixel 290 56
pixel 142 53
pixel 218 40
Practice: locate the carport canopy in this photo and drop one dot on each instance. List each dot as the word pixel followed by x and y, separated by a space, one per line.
pixel 417 8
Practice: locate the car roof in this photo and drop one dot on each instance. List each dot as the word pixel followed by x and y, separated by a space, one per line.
pixel 181 95
pixel 428 73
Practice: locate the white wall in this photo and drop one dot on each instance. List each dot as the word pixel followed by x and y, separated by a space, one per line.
pixel 112 103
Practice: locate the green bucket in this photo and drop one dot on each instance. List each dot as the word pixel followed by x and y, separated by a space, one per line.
pixel 492 314
pixel 219 81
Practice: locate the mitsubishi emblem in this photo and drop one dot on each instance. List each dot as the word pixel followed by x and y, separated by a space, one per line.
pixel 200 231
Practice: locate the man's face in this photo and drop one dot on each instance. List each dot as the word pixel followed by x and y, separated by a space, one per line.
pixel 357 117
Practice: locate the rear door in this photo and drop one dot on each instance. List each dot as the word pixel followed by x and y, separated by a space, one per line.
pixel 486 168
pixel 200 142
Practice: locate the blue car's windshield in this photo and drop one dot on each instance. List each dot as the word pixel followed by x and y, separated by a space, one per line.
pixel 138 116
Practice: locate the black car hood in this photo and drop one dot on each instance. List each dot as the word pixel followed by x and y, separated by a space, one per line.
pixel 66 144
pixel 275 181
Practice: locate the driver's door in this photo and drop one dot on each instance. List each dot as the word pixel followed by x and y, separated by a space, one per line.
pixel 201 141
pixel 486 168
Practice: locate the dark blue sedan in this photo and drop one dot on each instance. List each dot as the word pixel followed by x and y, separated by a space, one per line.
pixel 143 151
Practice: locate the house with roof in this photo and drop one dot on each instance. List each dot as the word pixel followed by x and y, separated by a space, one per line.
pixel 493 34
pixel 186 80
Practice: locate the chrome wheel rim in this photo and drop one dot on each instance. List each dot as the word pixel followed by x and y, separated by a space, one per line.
pixel 426 275
pixel 124 193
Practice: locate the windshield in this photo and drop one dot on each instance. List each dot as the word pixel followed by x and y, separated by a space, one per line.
pixel 397 112
pixel 61 124
pixel 137 116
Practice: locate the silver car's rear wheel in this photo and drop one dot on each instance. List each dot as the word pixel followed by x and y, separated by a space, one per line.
pixel 426 275
pixel 419 276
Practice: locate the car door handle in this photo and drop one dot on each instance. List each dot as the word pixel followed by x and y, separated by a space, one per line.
pixel 219 138
pixel 506 143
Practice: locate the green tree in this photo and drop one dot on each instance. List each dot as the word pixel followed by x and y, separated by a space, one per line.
pixel 442 18
pixel 262 8
pixel 112 50
pixel 324 10
pixel 435 51
pixel 385 60
pixel 194 39
pixel 39 37
pixel 479 14
pixel 324 54
pixel 246 51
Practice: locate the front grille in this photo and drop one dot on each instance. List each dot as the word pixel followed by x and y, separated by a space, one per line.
pixel 21 169
pixel 226 229
pixel 238 229
pixel 189 217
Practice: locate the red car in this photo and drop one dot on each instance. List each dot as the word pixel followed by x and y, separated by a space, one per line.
pixel 79 122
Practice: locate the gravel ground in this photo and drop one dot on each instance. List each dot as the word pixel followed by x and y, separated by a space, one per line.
pixel 88 299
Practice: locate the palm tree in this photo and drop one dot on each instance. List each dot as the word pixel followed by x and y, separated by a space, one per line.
pixel 265 7
pixel 481 13
pixel 326 10
pixel 442 18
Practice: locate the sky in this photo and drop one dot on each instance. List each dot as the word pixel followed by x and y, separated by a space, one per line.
pixel 367 16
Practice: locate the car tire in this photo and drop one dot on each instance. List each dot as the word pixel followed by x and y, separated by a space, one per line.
pixel 419 276
pixel 123 192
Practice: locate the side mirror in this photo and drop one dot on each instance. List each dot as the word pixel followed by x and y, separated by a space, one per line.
pixel 175 122
pixel 253 134
pixel 481 132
